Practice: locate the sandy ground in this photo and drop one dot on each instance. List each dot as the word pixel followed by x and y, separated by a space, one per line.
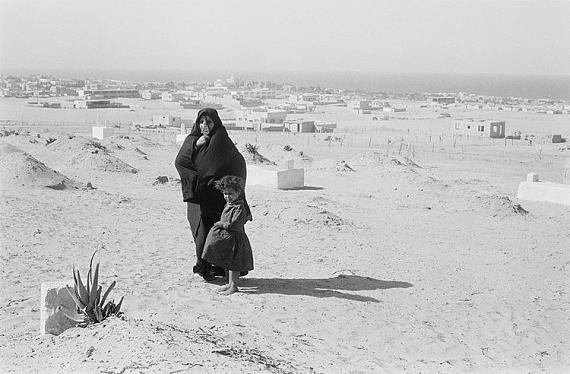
pixel 377 265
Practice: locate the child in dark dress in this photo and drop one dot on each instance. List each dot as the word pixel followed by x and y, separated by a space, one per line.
pixel 227 244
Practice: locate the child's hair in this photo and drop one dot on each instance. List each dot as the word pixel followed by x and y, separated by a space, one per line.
pixel 230 182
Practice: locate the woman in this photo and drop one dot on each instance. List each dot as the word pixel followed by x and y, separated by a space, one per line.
pixel 206 155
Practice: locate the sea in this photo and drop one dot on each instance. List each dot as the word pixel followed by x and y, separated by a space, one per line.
pixel 553 87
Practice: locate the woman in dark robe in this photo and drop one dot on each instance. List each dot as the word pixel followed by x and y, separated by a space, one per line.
pixel 207 155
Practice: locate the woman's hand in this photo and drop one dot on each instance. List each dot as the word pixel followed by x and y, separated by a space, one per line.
pixel 204 139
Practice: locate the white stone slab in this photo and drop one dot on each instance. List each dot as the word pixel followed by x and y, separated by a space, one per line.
pixel 544 191
pixel 180 138
pixel 54 295
pixel 102 132
pixel 289 179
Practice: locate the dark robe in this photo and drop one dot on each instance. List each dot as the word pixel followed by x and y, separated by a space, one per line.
pixel 199 168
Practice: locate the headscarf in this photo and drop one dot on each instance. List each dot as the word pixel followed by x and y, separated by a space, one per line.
pixel 200 167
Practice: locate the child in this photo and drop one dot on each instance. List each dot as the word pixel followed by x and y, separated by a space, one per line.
pixel 227 245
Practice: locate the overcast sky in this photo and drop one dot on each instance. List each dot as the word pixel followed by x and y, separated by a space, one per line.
pixel 457 36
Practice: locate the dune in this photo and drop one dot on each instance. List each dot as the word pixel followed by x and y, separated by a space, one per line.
pixel 17 168
pixel 415 258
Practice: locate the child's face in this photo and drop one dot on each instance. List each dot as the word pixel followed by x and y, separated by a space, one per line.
pixel 231 195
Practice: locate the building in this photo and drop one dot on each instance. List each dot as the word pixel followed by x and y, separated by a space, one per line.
pixel 166 120
pixel 358 105
pixel 494 129
pixel 151 95
pixel 300 125
pixel 445 100
pixel 260 119
pixel 172 96
pixel 109 93
pixel 325 126
pixel 258 93
pixel 394 109
pixel 97 104
pixel 497 129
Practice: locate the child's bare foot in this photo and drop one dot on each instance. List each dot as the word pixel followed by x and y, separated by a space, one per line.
pixel 223 288
pixel 230 290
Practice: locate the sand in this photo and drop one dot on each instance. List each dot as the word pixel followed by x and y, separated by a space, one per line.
pixel 412 255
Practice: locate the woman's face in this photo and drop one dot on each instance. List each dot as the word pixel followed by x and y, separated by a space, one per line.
pixel 206 124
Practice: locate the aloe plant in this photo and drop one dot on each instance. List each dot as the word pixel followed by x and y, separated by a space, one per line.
pixel 90 306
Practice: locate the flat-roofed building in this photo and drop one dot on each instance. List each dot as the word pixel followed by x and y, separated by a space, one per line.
pixel 300 125
pixel 166 120
pixel 110 93
pixel 252 119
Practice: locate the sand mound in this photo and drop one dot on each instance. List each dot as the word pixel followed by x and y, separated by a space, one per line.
pixel 129 141
pixel 74 144
pixel 101 161
pixel 18 168
pixel 153 346
pixel 89 154
pixel 498 205
pixel 311 215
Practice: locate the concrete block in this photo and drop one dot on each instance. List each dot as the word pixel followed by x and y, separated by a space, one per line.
pixel 180 138
pixel 54 295
pixel 102 132
pixel 544 191
pixel 532 177
pixel 290 178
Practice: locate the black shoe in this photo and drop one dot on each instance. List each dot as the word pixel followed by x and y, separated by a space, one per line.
pixel 203 269
pixel 243 273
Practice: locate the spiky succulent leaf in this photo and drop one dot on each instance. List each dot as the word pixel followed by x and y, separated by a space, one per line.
pixel 98 295
pixel 75 298
pixel 88 282
pixel 74 276
pixel 107 293
pixel 118 308
pixel 94 288
pixel 72 314
pixel 99 314
pixel 84 296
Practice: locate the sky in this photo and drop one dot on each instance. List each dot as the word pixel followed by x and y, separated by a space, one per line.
pixel 393 36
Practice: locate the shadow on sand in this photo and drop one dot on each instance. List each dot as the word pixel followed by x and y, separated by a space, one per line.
pixel 331 287
pixel 305 188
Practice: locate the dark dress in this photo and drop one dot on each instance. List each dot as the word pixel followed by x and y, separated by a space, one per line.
pixel 199 168
pixel 227 246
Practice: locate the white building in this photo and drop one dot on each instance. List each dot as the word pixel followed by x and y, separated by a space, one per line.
pixel 173 96
pixel 166 120
pixel 325 126
pixel 300 125
pixel 252 119
pixel 493 129
pixel 258 93
pixel 151 95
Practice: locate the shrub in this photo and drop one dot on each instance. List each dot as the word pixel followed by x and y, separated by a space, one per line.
pixel 251 148
pixel 91 307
